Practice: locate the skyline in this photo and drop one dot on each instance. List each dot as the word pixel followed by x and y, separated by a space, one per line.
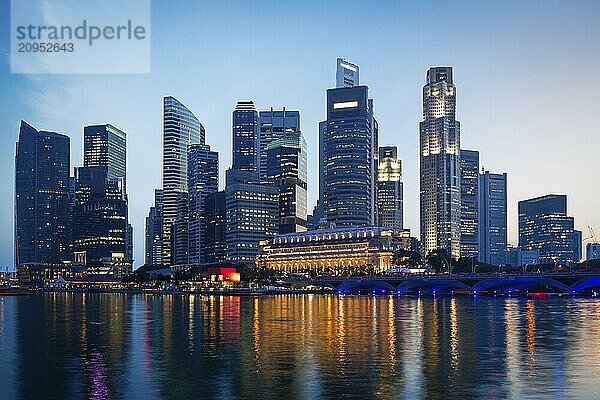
pixel 486 120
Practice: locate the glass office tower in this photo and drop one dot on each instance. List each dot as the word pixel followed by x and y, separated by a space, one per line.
pixel 203 179
pixel 440 165
pixel 252 210
pixel 42 163
pixel 493 231
pixel 99 217
pixel 181 129
pixel 545 225
pixel 245 136
pixel 287 170
pixel 389 189
pixel 272 125
pixel 154 231
pixel 469 203
pixel 349 152
pixel 216 227
pixel 105 145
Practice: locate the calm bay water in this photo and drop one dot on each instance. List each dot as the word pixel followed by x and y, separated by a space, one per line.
pixel 111 346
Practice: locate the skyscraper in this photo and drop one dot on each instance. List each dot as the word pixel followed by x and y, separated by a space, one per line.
pixel 154 231
pixel 346 74
pixel 469 203
pixel 105 146
pixel 101 228
pixel 545 225
pixel 272 125
pixel 319 210
pixel 245 136
pixel 440 164
pixel 492 219
pixel 349 148
pixel 252 211
pixel 287 169
pixel 216 227
pixel 42 164
pixel 99 217
pixel 181 128
pixel 389 189
pixel 203 179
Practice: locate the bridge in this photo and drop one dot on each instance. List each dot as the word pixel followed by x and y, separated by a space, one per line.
pixel 492 283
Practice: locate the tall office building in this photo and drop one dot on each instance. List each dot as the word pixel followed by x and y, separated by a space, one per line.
pixel 181 129
pixel 346 74
pixel 252 211
pixel 100 221
pixel 101 228
pixel 245 136
pixel 349 151
pixel 545 225
pixel 440 164
pixel 42 163
pixel 203 179
pixel 389 189
pixel 319 211
pixel 154 231
pixel 492 219
pixel 105 146
pixel 216 227
pixel 273 124
pixel 287 170
pixel 469 203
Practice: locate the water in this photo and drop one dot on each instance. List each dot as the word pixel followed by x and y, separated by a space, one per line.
pixel 117 346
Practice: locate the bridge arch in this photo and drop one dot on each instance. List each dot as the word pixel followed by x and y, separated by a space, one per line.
pixel 431 285
pixel 588 283
pixel 519 282
pixel 371 284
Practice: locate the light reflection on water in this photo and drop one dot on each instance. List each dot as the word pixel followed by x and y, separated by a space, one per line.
pixel 102 346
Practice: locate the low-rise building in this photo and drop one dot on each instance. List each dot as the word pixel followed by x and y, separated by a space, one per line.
pixel 592 251
pixel 519 257
pixel 333 249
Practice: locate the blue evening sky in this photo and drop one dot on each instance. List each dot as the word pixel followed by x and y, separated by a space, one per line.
pixel 525 74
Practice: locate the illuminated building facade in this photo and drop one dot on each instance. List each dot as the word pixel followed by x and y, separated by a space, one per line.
pixel 440 165
pixel 469 203
pixel 42 164
pixel 245 134
pixel 105 146
pixel 203 179
pixel 349 151
pixel 154 231
pixel 337 248
pixel 545 225
pixel 99 216
pixel 389 189
pixel 252 210
pixel 181 129
pixel 272 125
pixel 287 170
pixel 493 231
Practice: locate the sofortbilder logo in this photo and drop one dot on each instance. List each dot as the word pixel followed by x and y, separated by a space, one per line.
pixel 74 36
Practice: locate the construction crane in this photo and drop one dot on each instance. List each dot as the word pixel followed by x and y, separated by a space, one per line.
pixel 592 236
